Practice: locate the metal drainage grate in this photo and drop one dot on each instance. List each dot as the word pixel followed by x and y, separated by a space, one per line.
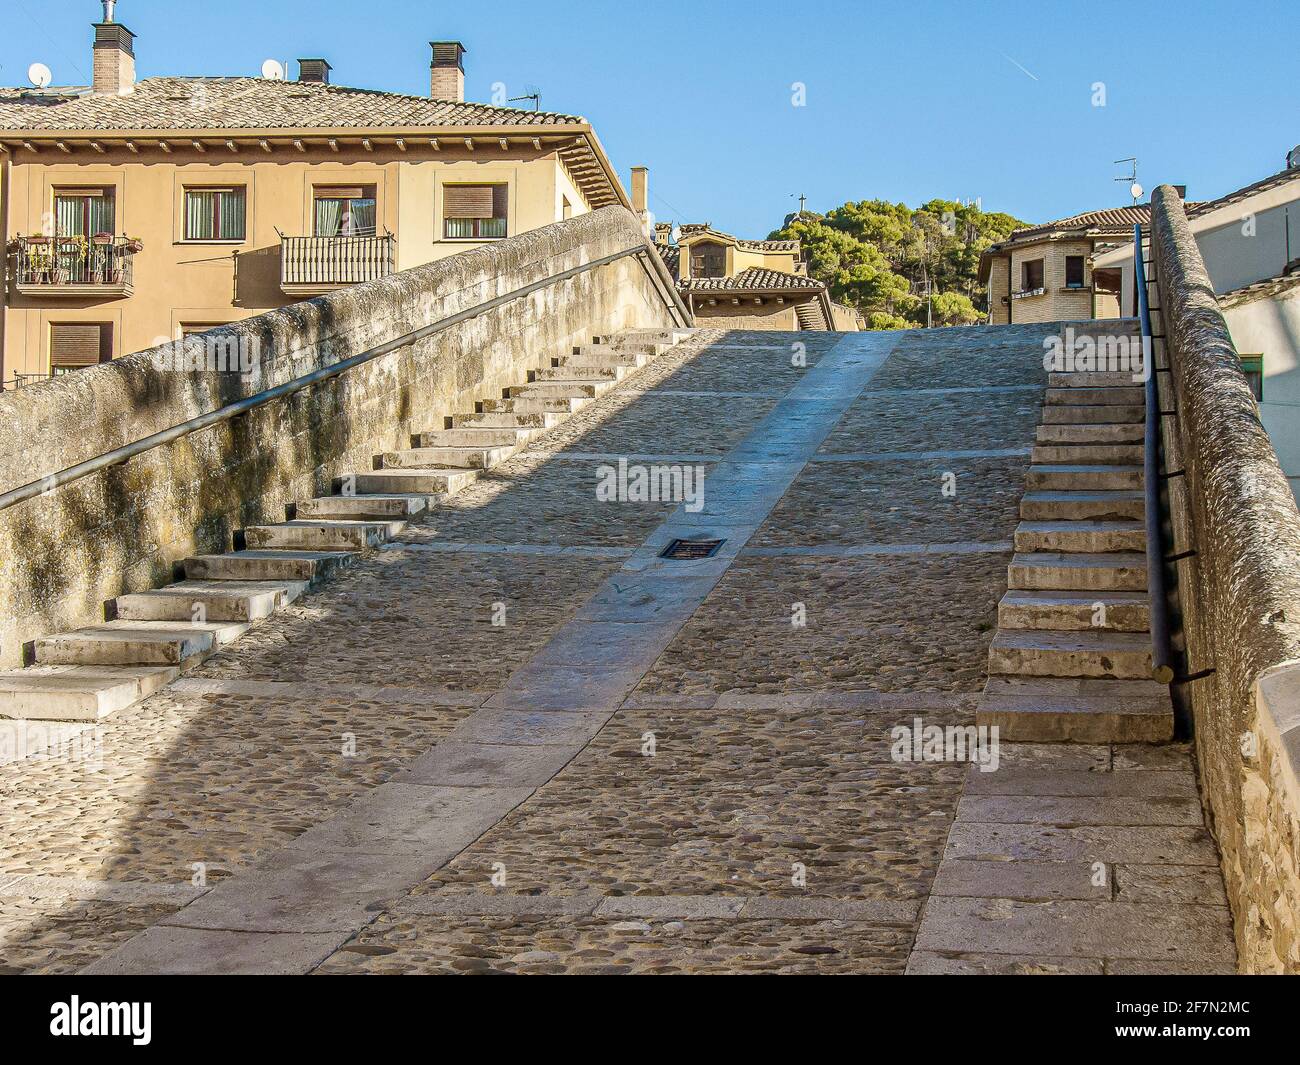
pixel 691 549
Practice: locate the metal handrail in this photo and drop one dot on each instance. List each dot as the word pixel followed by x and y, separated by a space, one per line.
pixel 231 410
pixel 1162 669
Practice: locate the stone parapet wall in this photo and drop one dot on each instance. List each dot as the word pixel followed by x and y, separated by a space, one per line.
pixel 1239 598
pixel 66 552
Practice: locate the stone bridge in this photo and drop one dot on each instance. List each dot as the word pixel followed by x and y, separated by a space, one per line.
pixel 491 618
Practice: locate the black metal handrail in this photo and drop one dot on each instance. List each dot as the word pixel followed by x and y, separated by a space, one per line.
pixel 649 261
pixel 1162 657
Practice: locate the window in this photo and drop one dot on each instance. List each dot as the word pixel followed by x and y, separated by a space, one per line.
pixel 1074 271
pixel 189 329
pixel 1253 367
pixel 566 208
pixel 83 212
pixel 345 211
pixel 708 260
pixel 1031 275
pixel 74 345
pixel 473 212
pixel 214 214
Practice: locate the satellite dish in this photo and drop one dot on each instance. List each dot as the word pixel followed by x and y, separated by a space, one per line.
pixel 39 75
pixel 273 70
pixel 1135 190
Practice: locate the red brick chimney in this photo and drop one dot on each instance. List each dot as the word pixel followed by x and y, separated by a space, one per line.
pixel 114 56
pixel 447 71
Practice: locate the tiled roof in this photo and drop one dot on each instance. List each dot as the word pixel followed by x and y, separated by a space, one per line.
pixel 249 103
pixel 1263 185
pixel 754 279
pixel 1117 219
pixel 692 229
pixel 672 257
pixel 1269 286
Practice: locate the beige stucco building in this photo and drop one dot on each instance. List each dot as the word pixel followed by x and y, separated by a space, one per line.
pixel 136 211
pixel 731 283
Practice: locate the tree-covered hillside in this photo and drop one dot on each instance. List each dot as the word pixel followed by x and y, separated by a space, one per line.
pixel 878 256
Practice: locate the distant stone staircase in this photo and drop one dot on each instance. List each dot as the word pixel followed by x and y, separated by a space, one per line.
pixel 155 636
pixel 1071 659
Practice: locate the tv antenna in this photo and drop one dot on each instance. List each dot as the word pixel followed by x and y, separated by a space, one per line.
pixel 1134 189
pixel 535 96
pixel 39 75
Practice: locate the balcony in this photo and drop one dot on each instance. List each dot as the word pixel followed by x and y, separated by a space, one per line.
pixel 94 267
pixel 312 265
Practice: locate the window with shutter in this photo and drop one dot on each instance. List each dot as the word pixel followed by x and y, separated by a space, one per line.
pixel 215 214
pixel 345 210
pixel 74 345
pixel 474 212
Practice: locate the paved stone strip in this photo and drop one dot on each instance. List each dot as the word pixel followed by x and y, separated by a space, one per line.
pixel 1079 859
pixel 991 547
pixel 297 907
pixel 293 690
pixel 662 907
pixel 32 886
pixel 707 395
pixel 917 456
pixel 544 550
pixel 950 391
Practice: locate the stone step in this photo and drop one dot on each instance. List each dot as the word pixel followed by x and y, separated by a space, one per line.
pixel 322 535
pixel 629 360
pixel 1131 396
pixel 219 600
pixel 1087 454
pixel 1053 653
pixel 355 507
pixel 504 420
pixel 1077 710
pixel 1092 379
pixel 579 373
pixel 559 390
pixel 537 405
pixel 1098 414
pixel 1086 536
pixel 628 345
pixel 1122 571
pixel 78 693
pixel 665 337
pixel 466 458
pixel 511 436
pixel 1079 478
pixel 429 482
pixel 1082 506
pixel 137 643
pixel 1083 433
pixel 1067 610
pixel 267 565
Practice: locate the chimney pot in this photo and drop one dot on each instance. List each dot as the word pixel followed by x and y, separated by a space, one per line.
pixel 114 57
pixel 447 71
pixel 314 70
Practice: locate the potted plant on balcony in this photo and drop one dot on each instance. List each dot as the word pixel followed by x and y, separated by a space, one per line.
pixel 134 245
pixel 40 258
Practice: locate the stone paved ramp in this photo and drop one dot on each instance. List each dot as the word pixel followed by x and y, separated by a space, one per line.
pixel 646 765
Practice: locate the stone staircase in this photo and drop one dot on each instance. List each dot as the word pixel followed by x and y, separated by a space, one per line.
pixel 151 638
pixel 1071 659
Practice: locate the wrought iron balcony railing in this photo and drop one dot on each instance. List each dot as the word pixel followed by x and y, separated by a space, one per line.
pixel 74 266
pixel 311 265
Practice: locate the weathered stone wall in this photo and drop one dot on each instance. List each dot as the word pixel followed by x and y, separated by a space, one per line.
pixel 1239 597
pixel 64 553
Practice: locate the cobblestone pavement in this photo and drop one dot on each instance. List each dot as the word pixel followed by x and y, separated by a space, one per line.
pixel 516 741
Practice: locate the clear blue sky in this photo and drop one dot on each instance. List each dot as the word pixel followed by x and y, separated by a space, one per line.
pixel 905 101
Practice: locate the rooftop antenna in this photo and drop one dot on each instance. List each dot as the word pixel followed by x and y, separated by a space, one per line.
pixel 39 75
pixel 535 96
pixel 273 70
pixel 1134 189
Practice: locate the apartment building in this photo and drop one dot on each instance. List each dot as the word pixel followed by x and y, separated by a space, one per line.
pixel 137 211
